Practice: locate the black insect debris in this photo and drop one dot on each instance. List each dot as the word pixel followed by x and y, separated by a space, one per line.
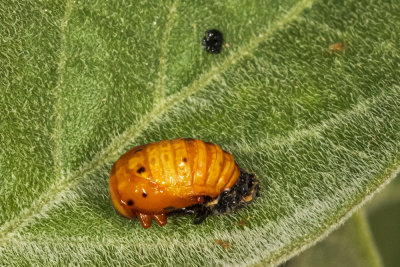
pixel 212 42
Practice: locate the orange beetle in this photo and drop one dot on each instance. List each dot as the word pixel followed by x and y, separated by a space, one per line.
pixel 187 175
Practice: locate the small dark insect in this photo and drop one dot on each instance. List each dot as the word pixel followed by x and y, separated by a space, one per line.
pixel 212 42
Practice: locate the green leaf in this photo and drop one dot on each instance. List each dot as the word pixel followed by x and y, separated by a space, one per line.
pixel 354 244
pixel 385 228
pixel 389 197
pixel 84 81
pixel 350 245
pixel 384 219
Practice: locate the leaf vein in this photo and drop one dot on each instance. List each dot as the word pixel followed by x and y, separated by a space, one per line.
pixel 296 135
pixel 9 227
pixel 159 87
pixel 58 114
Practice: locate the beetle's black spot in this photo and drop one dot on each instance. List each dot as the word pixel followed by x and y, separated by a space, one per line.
pixel 141 169
pixel 144 194
pixel 184 159
pixel 140 149
pixel 130 202
pixel 212 41
pixel 169 208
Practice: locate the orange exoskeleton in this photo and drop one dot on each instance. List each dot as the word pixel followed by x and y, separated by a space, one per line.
pixel 189 175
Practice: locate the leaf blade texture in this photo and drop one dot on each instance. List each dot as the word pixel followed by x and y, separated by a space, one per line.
pixel 84 82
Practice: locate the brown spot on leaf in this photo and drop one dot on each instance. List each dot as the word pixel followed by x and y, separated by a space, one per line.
pixel 337 47
pixel 184 159
pixel 243 222
pixel 223 244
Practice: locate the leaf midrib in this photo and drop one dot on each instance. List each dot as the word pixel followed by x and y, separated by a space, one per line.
pixel 56 192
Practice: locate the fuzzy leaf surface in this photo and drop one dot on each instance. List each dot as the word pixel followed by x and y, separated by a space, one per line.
pixel 350 245
pixel 84 81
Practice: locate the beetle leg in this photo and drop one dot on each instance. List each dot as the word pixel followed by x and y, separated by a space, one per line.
pixel 145 220
pixel 161 219
pixel 202 214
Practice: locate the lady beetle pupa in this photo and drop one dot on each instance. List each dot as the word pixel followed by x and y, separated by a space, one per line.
pixel 188 175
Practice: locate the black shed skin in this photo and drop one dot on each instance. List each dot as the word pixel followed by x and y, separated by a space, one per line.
pixel 247 186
